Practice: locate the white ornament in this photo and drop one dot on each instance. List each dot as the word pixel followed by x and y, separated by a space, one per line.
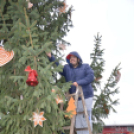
pixel 29 4
pixel 38 118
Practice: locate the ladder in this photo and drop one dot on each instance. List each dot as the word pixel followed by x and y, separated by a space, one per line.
pixel 79 93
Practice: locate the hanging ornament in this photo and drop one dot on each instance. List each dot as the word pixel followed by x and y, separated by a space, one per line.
pixel 62 46
pixel 118 76
pixel 30 5
pixel 71 108
pixel 32 77
pixel 38 118
pixel 106 110
pixel 63 8
pixel 105 107
pixel 58 100
pixel 5 56
pixel 98 78
pixel 21 97
pixel 20 110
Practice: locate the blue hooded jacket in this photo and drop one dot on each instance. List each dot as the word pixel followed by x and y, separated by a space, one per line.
pixel 82 74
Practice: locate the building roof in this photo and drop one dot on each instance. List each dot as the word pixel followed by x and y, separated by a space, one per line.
pixel 113 125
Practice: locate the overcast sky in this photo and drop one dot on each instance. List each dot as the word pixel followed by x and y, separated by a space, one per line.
pixel 114 20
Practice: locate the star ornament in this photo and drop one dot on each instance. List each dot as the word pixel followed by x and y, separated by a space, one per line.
pixel 38 118
pixel 29 4
pixel 62 46
pixel 58 100
pixel 118 76
pixel 63 9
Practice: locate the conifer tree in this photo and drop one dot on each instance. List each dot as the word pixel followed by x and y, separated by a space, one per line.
pixel 103 101
pixel 102 96
pixel 31 31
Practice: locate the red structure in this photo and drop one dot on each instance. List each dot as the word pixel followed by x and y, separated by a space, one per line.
pixel 118 129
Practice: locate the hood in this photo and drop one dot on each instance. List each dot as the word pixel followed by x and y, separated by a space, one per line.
pixel 75 54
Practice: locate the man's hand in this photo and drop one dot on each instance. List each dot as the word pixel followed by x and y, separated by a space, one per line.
pixel 75 84
pixel 49 54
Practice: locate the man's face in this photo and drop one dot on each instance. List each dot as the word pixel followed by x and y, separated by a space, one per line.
pixel 73 60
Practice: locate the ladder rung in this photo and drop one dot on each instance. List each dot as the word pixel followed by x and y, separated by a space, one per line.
pixel 73 95
pixel 81 129
pixel 77 129
pixel 80 112
pixel 80 95
pixel 66 127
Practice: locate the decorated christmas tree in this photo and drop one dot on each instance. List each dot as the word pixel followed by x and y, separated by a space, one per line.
pixel 103 97
pixel 30 29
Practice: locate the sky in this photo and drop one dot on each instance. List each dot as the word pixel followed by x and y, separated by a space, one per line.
pixel 114 20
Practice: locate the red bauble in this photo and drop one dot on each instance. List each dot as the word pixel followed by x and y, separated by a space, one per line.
pixel 32 77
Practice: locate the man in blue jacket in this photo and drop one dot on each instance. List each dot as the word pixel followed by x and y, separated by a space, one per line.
pixel 82 75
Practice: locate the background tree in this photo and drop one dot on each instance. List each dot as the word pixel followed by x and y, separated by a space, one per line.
pixel 30 32
pixel 103 100
pixel 103 96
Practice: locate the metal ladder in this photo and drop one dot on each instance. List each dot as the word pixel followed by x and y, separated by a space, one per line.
pixel 79 93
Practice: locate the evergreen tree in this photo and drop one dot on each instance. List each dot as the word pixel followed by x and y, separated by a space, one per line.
pixel 103 96
pixel 31 32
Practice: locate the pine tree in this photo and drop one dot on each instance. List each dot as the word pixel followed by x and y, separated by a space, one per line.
pixel 31 32
pixel 103 96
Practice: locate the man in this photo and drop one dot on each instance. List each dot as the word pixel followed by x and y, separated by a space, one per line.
pixel 82 75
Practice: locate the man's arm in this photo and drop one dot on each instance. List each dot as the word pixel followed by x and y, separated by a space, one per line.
pixel 51 59
pixel 89 77
pixel 49 55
